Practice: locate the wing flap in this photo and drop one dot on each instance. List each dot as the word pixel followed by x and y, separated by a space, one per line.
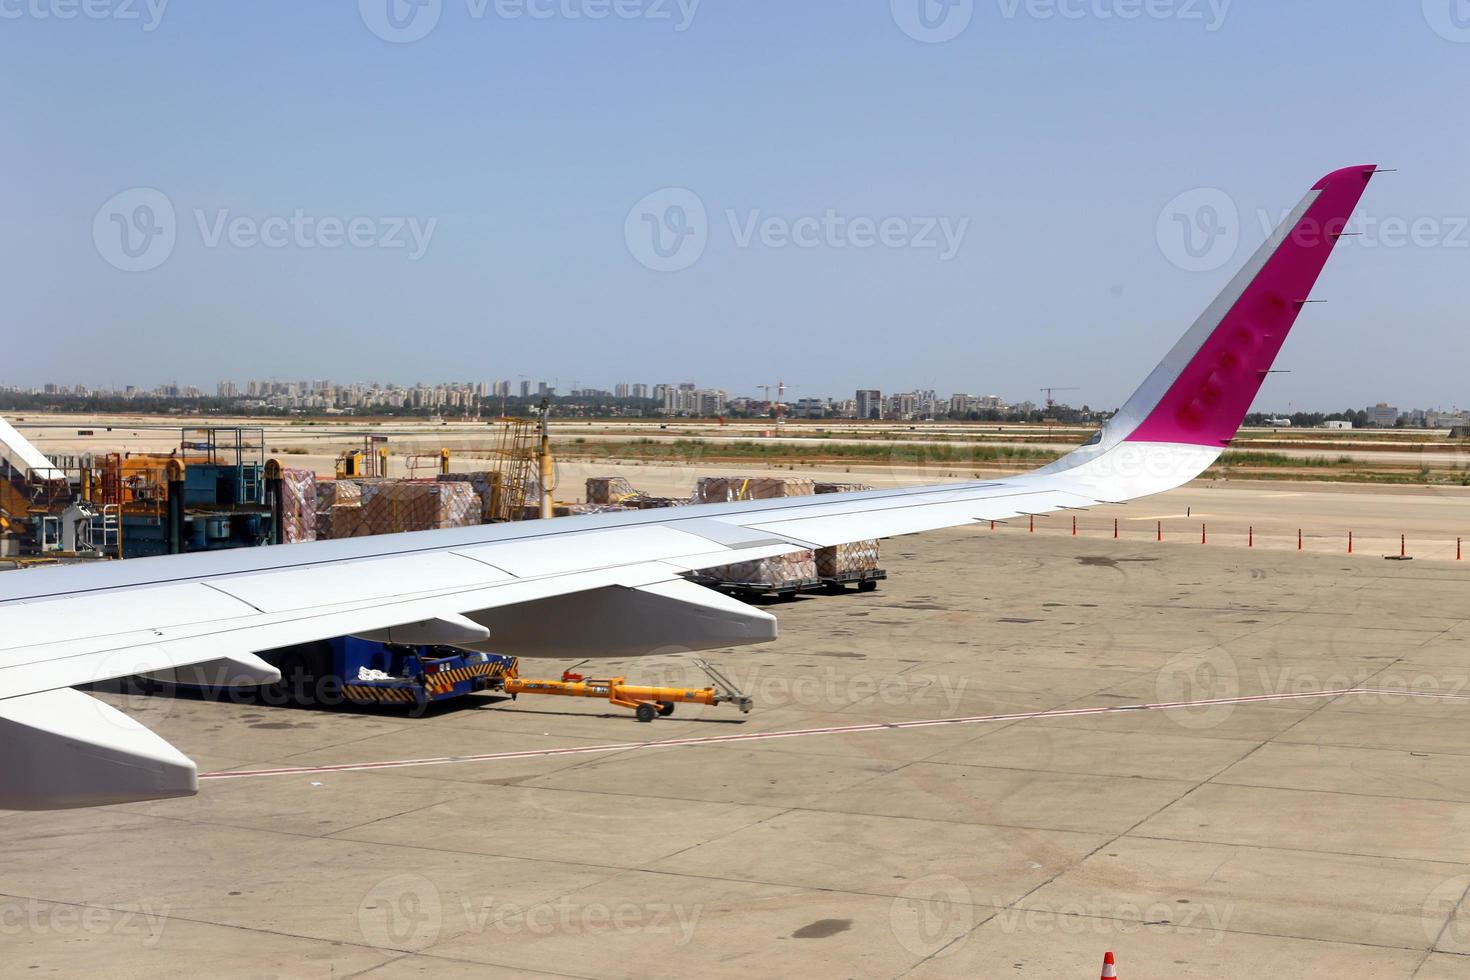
pixel 665 618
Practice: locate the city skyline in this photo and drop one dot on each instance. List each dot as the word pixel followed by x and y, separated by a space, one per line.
pixel 685 398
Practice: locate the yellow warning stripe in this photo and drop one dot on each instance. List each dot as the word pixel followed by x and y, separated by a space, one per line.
pixel 438 683
pixel 390 694
pixel 446 679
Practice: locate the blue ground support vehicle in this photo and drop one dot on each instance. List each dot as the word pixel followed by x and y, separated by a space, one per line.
pixel 367 672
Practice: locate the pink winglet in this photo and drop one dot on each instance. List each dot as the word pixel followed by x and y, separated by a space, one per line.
pixel 1208 401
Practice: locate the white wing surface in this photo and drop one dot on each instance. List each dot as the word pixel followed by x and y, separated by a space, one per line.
pixel 600 585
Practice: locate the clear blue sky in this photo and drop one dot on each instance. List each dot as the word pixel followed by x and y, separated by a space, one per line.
pixel 1054 142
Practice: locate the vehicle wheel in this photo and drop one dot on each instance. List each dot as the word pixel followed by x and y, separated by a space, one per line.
pixel 868 586
pixel 645 711
pixel 666 708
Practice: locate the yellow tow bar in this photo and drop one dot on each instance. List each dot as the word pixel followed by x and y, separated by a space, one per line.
pixel 645 702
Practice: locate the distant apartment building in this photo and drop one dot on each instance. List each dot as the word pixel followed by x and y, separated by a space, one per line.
pixel 622 390
pixel 905 405
pixel 640 391
pixel 1383 415
pixel 869 403
pixel 711 401
pixel 686 399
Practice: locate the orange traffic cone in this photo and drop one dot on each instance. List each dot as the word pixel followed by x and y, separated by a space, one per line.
pixel 1110 971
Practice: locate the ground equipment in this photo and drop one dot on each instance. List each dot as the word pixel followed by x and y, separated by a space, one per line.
pixel 646 703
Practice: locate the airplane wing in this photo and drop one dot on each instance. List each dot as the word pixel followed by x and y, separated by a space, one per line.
pixel 599 585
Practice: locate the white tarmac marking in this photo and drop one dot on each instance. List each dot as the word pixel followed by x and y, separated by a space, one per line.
pixel 809 732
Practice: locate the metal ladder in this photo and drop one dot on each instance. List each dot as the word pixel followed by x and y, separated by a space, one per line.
pixel 101 532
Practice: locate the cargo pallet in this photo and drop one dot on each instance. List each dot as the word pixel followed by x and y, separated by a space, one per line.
pixel 786 590
pixel 867 580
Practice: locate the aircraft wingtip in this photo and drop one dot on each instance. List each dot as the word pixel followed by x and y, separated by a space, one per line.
pixel 1361 172
pixel 1200 393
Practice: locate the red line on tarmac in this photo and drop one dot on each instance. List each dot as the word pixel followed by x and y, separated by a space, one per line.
pixel 807 732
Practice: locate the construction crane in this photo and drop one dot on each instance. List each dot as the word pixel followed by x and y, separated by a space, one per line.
pixel 778 407
pixel 1050 391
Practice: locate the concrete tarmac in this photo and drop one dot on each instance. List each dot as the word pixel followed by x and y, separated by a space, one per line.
pixel 1285 838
